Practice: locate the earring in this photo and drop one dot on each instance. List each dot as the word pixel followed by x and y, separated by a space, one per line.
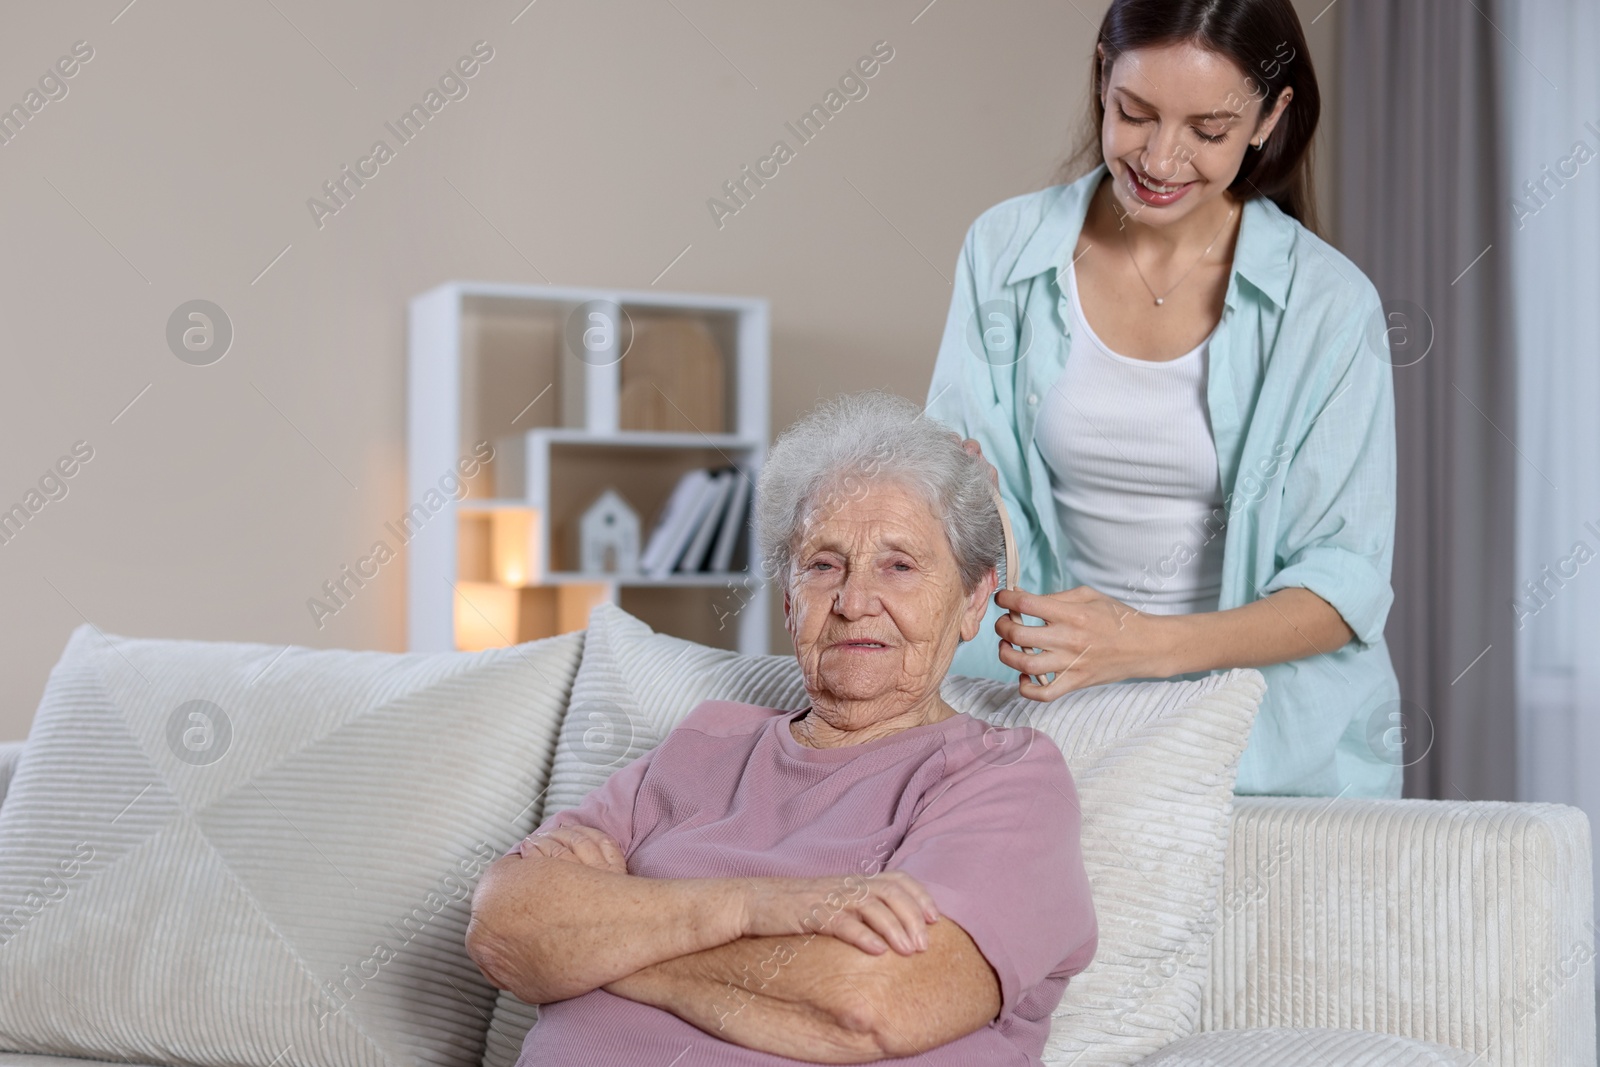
pixel 1258 145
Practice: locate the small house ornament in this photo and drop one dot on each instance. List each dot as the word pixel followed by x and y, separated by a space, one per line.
pixel 608 536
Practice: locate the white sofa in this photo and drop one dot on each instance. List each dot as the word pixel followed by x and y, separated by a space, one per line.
pixel 1468 924
pixel 1461 924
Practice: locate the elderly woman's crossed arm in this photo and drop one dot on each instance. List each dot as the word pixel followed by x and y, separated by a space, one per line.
pixel 888 977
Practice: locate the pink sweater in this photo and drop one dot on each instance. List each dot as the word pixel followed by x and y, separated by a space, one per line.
pixel 989 825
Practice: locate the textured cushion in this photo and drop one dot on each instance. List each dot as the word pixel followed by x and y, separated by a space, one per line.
pixel 1284 1046
pixel 1466 923
pixel 30 1059
pixel 10 755
pixel 1154 766
pixel 248 855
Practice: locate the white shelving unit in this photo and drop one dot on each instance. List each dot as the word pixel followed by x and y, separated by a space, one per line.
pixel 538 372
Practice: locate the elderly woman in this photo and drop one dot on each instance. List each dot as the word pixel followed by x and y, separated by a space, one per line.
pixel 863 879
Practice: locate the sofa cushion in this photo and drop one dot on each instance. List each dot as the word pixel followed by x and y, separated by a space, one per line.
pixel 1153 762
pixel 1465 922
pixel 1286 1046
pixel 10 755
pixel 37 1059
pixel 249 854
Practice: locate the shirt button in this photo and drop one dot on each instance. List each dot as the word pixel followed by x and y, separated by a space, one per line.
pixel 1033 398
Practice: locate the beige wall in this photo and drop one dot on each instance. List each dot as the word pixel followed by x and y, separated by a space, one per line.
pixel 179 164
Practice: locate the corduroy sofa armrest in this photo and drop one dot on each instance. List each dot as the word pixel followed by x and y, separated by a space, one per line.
pixel 10 753
pixel 1464 923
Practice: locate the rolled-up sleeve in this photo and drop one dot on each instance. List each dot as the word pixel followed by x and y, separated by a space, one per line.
pixel 1337 534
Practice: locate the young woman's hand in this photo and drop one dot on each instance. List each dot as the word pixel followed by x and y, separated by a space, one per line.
pixel 577 844
pixel 874 913
pixel 1087 639
pixel 973 448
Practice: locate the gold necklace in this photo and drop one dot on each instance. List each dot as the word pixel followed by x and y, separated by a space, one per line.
pixel 1162 298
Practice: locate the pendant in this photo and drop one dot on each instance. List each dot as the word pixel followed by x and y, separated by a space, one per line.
pixel 1158 301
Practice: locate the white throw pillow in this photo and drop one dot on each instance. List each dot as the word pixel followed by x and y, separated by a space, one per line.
pixel 1153 762
pixel 221 853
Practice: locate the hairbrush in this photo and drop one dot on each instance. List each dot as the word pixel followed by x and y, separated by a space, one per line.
pixel 1011 560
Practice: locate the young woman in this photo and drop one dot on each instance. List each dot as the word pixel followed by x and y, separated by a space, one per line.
pixel 1187 397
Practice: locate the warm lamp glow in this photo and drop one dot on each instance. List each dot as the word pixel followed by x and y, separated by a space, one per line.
pixel 485 616
pixel 513 549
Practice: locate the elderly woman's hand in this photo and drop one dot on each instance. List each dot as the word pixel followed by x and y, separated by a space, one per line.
pixel 1087 639
pixel 875 913
pixel 577 844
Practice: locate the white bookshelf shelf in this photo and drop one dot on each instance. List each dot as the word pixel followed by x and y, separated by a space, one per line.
pixel 641 439
pixel 711 579
pixel 502 365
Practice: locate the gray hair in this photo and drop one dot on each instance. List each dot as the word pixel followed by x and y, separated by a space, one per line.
pixel 850 442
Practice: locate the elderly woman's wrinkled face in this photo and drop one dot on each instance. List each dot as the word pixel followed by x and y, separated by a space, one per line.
pixel 874 602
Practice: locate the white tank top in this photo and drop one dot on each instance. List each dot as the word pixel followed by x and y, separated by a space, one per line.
pixel 1133 469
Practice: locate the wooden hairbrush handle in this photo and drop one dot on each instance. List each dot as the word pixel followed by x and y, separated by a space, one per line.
pixel 1011 559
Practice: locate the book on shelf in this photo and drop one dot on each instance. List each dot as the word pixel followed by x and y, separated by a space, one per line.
pixel 699 500
pixel 698 530
pixel 694 556
pixel 676 515
pixel 733 523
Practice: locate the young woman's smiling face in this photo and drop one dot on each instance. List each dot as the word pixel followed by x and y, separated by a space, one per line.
pixel 1178 122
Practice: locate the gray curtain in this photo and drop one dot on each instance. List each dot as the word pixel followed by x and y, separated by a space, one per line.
pixel 1421 198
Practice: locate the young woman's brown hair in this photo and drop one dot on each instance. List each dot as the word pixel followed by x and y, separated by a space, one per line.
pixel 1264 39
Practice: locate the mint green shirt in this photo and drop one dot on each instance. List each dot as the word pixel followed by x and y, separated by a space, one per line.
pixel 1301 400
